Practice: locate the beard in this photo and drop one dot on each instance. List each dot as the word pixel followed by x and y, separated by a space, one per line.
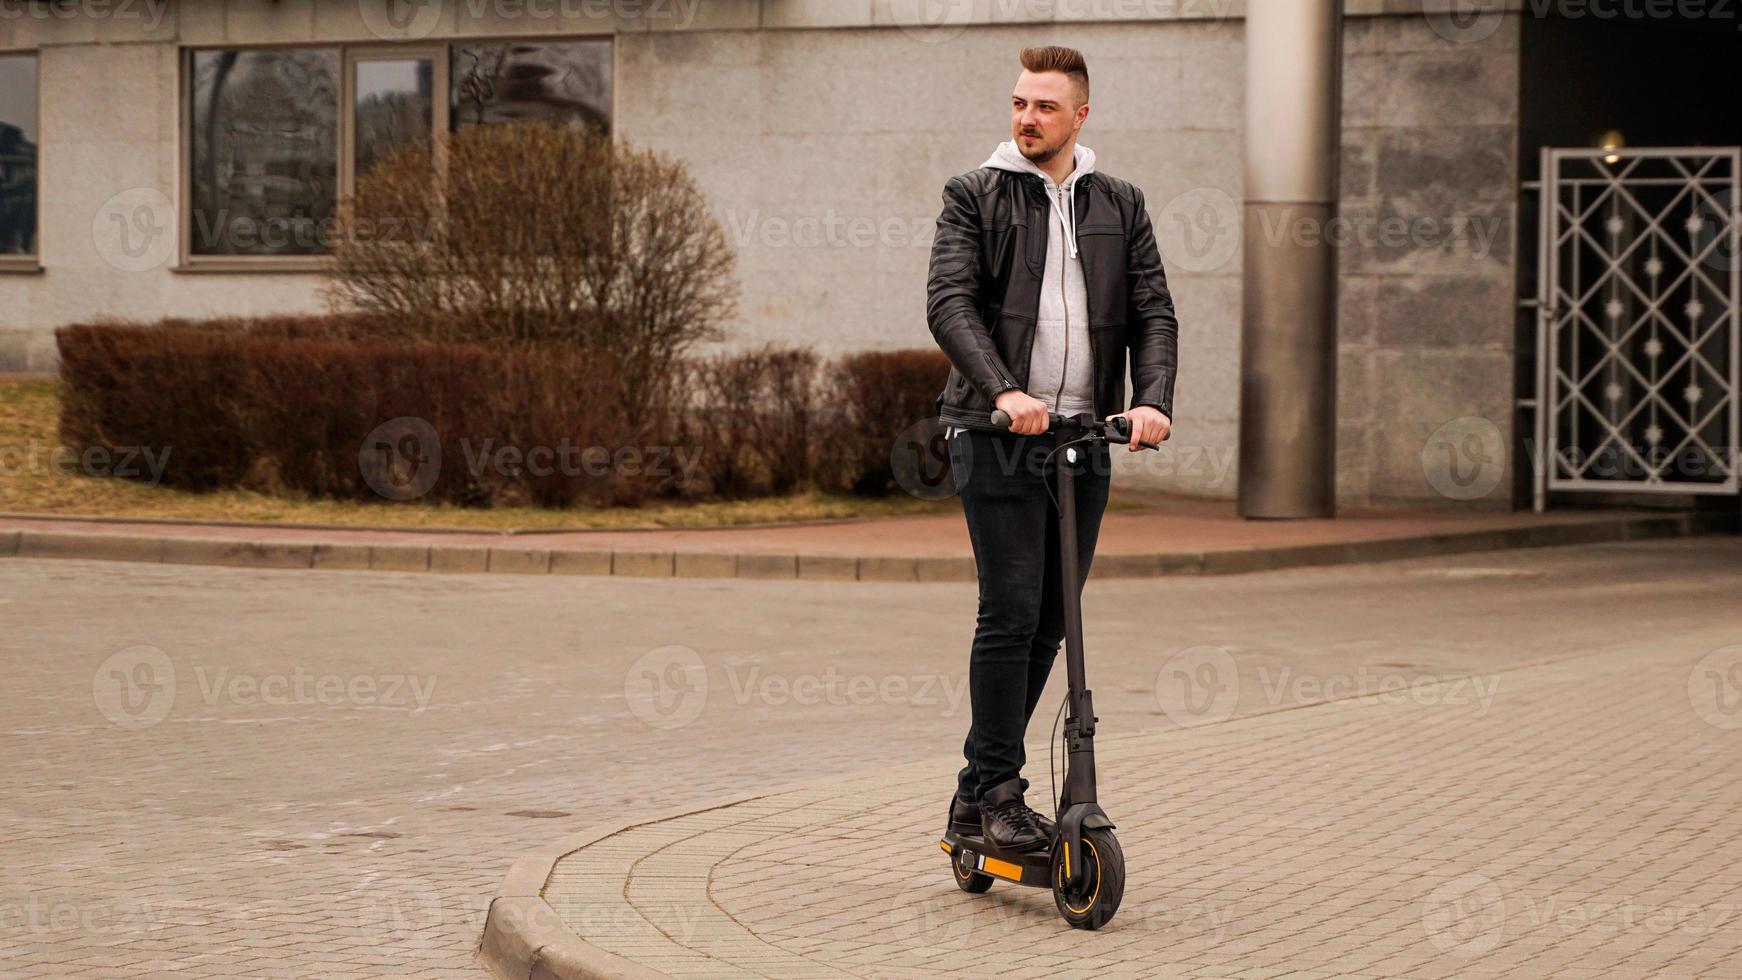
pixel 1040 153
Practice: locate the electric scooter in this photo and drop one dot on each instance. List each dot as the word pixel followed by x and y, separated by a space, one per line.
pixel 1082 863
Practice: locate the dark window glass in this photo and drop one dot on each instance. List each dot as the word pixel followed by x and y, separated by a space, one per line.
pixel 18 139
pixel 559 81
pixel 265 151
pixel 395 106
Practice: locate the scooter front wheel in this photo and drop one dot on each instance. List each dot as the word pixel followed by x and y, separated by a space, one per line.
pixel 1092 902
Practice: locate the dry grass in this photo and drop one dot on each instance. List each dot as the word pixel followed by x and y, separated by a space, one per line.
pixel 32 483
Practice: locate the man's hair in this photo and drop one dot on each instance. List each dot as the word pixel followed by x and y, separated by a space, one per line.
pixel 1058 58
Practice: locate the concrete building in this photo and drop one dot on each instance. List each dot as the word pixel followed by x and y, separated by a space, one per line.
pixel 185 154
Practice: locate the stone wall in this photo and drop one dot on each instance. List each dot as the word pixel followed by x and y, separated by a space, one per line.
pixel 824 133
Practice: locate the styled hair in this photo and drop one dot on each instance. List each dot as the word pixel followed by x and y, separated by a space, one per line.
pixel 1069 61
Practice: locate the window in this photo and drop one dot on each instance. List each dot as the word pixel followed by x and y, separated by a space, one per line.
pixel 265 150
pixel 560 81
pixel 278 135
pixel 18 160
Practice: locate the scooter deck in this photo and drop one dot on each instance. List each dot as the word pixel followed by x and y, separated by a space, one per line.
pixel 1033 868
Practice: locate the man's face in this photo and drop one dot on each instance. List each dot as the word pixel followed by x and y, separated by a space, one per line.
pixel 1044 114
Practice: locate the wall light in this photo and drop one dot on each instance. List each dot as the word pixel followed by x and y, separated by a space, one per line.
pixel 1612 141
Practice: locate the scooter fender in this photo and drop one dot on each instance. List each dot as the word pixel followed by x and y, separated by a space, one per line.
pixel 1077 818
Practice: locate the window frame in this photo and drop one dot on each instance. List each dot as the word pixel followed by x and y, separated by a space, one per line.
pixel 187 260
pixel 440 50
pixel 441 98
pixel 31 262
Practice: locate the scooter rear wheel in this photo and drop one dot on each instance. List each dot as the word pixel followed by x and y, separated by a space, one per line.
pixel 1092 903
pixel 969 880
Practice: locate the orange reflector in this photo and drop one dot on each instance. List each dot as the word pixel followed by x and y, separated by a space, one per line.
pixel 1003 869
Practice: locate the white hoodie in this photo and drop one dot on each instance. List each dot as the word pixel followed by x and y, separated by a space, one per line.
pixel 1060 371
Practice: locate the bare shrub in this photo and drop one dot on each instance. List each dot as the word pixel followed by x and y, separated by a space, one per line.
pixel 532 232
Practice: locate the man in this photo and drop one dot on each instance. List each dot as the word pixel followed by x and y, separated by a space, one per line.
pixel 1044 274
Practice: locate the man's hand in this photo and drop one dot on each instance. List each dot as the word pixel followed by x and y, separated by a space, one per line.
pixel 1028 415
pixel 1147 425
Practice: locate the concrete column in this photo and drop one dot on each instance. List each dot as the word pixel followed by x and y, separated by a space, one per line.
pixel 1288 330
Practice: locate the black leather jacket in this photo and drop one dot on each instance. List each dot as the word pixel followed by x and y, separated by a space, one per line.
pixel 983 291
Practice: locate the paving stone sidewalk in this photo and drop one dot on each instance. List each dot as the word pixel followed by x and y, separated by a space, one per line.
pixel 1578 817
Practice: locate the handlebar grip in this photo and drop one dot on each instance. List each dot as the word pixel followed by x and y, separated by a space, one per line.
pixel 1001 418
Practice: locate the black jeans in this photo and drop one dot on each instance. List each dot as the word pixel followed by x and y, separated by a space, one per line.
pixel 1014 527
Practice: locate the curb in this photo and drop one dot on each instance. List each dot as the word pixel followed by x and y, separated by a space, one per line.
pixel 518 559
pixel 524 937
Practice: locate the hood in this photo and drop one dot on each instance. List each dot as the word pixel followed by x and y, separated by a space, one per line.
pixel 1008 157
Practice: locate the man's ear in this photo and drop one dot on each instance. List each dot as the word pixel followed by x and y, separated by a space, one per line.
pixel 1082 114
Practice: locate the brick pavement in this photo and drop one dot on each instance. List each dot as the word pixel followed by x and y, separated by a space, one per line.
pixel 227 826
pixel 1586 821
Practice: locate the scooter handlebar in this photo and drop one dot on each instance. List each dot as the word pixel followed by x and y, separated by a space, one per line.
pixel 1116 429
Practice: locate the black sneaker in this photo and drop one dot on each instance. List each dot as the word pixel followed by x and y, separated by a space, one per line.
pixel 1045 822
pixel 964 817
pixel 1007 822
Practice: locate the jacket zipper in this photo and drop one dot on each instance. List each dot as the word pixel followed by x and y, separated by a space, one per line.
pixel 1064 297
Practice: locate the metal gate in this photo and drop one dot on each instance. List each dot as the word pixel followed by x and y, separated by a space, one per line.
pixel 1637 339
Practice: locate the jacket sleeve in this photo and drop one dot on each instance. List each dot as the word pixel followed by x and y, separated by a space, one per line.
pixel 1154 330
pixel 953 286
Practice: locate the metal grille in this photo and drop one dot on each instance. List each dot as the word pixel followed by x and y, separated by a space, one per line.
pixel 1637 302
